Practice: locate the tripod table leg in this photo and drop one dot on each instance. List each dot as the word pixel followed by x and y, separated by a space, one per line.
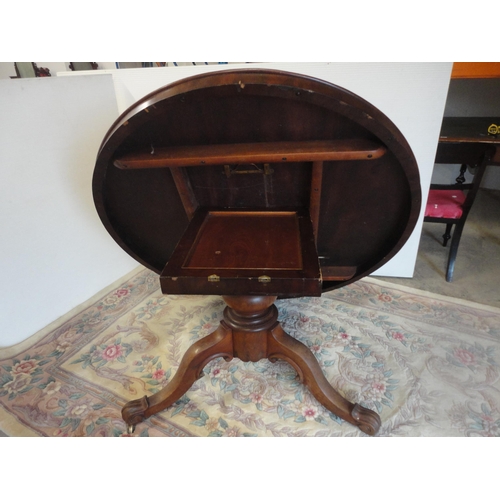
pixel 283 346
pixel 218 344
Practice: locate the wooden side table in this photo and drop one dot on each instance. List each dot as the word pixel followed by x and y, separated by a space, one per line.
pixel 254 185
pixel 464 139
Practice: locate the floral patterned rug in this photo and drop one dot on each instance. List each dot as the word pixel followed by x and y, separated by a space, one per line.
pixel 428 364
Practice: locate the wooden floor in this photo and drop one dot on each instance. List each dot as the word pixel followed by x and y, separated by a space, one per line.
pixel 477 267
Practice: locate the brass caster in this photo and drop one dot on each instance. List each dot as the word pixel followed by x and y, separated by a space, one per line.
pixel 130 429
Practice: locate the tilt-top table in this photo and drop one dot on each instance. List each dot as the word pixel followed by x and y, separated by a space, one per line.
pixel 256 185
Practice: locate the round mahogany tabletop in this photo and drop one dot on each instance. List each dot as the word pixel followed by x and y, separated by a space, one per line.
pixel 367 208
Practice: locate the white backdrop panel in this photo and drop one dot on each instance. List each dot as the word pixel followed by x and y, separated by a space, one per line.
pixel 55 253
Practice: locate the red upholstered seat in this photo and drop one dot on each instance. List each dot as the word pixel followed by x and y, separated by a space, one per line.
pixel 445 203
pixel 450 204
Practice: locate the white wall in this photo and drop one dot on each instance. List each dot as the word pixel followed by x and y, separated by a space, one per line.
pixel 55 252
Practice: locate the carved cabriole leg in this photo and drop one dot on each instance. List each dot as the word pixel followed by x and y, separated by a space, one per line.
pixel 217 344
pixel 250 331
pixel 283 346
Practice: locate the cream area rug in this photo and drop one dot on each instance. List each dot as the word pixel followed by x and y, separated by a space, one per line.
pixel 428 364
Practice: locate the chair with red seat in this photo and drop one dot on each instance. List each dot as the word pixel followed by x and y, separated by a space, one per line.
pixel 451 204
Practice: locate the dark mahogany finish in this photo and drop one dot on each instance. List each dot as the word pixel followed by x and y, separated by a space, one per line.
pixel 256 184
pixel 264 252
pixel 369 206
pixel 472 142
pixel 250 331
pixel 464 139
pixel 275 152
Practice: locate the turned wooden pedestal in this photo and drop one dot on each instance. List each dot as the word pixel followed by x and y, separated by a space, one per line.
pixel 250 331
